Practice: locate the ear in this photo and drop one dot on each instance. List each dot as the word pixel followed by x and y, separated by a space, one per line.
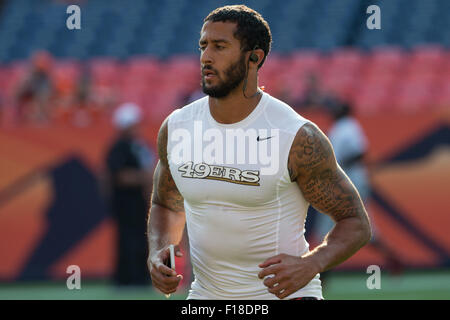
pixel 256 56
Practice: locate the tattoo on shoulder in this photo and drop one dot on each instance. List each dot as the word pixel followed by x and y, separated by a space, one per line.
pixel 165 191
pixel 310 149
pixel 323 183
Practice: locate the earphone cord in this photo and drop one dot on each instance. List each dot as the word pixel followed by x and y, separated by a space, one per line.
pixel 245 82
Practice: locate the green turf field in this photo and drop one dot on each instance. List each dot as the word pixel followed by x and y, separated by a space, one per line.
pixel 411 285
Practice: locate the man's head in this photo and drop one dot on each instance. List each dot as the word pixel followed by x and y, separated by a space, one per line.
pixel 340 110
pixel 126 118
pixel 228 37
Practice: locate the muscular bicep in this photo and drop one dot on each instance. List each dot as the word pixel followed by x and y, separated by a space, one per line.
pixel 165 192
pixel 324 185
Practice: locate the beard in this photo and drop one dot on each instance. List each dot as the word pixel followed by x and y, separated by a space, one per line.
pixel 234 75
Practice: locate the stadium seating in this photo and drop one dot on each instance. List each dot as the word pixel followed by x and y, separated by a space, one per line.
pixel 145 28
pixel 148 53
pixel 384 79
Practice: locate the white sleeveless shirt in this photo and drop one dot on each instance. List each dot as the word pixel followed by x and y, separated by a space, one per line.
pixel 241 207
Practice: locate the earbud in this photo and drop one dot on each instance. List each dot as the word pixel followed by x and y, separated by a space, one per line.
pixel 254 56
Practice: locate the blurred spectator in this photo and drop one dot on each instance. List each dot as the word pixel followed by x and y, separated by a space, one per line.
pixel 83 91
pixel 314 97
pixel 83 108
pixel 35 92
pixel 130 163
pixel 350 146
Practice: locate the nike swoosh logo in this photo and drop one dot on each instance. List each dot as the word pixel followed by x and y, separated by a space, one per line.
pixel 261 139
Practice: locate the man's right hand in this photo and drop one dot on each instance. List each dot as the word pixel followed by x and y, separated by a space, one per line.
pixel 164 278
pixel 166 220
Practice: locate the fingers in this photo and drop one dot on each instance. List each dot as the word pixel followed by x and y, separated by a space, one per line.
pixel 169 281
pixel 284 292
pixel 273 269
pixel 275 283
pixel 163 277
pixel 278 286
pixel 277 289
pixel 269 282
pixel 165 270
pixel 178 252
pixel 167 285
pixel 276 276
pixel 162 258
pixel 272 260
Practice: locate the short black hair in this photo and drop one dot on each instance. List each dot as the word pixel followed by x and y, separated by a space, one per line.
pixel 341 110
pixel 252 30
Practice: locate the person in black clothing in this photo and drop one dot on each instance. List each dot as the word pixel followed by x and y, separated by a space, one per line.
pixel 35 93
pixel 130 163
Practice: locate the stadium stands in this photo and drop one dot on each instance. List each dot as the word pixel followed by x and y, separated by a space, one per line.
pixel 148 53
pixel 380 80
pixel 109 29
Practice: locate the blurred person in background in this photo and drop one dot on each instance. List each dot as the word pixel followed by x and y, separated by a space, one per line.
pixel 130 163
pixel 33 97
pixel 351 146
pixel 84 106
pixel 314 96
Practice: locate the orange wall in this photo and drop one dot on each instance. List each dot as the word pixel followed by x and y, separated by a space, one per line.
pixel 419 189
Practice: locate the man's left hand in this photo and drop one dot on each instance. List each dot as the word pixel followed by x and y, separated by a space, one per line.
pixel 289 273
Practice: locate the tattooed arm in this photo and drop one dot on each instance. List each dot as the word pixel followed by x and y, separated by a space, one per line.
pixel 312 165
pixel 328 189
pixel 166 220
